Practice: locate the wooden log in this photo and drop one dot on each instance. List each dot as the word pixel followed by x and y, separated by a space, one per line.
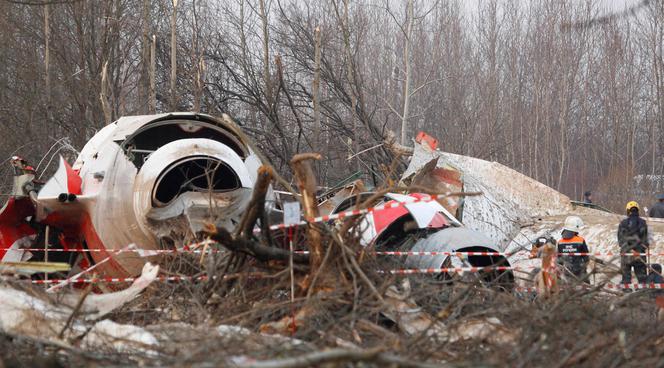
pixel 306 182
pixel 256 205
pixel 250 247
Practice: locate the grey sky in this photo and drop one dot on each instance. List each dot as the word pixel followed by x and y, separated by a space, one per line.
pixel 610 5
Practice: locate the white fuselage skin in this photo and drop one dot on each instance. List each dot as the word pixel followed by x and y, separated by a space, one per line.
pixel 117 197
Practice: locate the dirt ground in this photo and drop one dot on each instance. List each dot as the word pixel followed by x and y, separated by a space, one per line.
pixel 213 324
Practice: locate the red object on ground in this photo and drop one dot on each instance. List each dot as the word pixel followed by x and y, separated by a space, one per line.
pixel 12 223
pixel 423 137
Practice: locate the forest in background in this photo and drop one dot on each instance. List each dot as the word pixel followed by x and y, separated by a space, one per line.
pixel 541 86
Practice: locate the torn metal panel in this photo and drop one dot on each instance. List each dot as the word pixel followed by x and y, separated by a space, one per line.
pixel 451 240
pixel 444 179
pixel 96 306
pixel 508 198
pixel 330 200
pixel 409 317
pixel 424 215
pixel 413 320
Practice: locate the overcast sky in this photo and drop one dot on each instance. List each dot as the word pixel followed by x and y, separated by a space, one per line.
pixel 612 5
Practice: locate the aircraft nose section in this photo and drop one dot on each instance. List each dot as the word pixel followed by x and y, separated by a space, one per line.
pixel 188 182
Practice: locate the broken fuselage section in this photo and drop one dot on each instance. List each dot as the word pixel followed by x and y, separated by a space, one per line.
pixel 145 180
pixel 427 234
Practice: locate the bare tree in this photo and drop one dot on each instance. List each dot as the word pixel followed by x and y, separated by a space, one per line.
pixel 174 97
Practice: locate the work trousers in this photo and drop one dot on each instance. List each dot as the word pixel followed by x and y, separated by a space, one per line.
pixel 627 263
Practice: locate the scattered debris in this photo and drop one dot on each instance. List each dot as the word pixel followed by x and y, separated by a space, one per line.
pixel 310 292
pixel 38 315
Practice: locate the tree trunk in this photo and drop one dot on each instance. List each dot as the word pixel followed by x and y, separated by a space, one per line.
pixel 103 94
pixel 174 99
pixel 266 57
pixel 354 146
pixel 47 60
pixel 144 86
pixel 316 89
pixel 153 77
pixel 406 56
pixel 306 182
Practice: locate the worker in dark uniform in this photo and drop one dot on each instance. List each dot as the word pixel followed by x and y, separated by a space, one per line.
pixel 588 197
pixel 571 242
pixel 657 210
pixel 655 276
pixel 655 280
pixel 633 238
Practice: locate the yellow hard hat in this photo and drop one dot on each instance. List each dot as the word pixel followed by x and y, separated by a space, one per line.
pixel 632 204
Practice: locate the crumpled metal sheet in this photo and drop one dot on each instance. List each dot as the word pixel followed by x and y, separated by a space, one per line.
pixel 509 198
pixel 444 179
pixel 447 240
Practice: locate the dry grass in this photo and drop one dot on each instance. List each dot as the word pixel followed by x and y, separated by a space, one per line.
pixel 587 328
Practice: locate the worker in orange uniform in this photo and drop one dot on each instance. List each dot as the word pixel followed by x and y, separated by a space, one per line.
pixel 546 280
pixel 571 242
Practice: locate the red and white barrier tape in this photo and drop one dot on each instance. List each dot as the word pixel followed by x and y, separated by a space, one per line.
pixel 506 254
pixel 613 286
pixel 96 280
pixel 154 252
pixel 410 271
pixel 71 279
pixel 435 253
pixel 634 286
pixel 611 254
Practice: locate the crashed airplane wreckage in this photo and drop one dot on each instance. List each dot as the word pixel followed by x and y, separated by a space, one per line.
pixel 154 180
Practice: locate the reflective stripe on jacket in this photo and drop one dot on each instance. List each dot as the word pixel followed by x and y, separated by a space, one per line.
pixel 575 244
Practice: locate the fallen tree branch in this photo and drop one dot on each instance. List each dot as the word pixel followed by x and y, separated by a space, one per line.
pixel 249 247
pixel 58 345
pixel 256 205
pixel 73 314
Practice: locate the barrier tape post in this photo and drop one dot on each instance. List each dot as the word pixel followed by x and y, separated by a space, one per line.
pixel 291 216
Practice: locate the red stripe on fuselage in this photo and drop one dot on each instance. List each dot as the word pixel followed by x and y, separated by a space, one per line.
pixel 111 268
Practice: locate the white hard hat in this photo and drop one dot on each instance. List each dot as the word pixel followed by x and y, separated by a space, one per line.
pixel 573 224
